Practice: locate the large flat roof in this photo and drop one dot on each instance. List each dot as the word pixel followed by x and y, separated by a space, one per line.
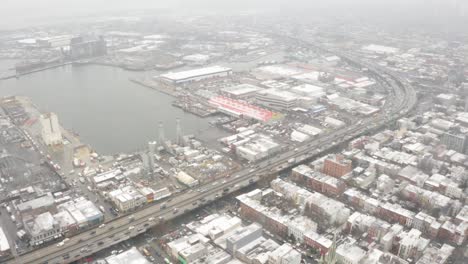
pixel 242 108
pixel 43 201
pixel 380 48
pixel 280 70
pixel 241 89
pixel 4 246
pixel 131 256
pixel 279 94
pixel 194 73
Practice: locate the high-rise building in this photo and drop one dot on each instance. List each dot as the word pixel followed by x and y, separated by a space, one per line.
pixel 80 48
pixel 51 133
pixel 457 142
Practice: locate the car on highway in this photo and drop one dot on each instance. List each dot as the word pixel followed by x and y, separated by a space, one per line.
pixel 131 227
pixel 84 250
pixel 113 211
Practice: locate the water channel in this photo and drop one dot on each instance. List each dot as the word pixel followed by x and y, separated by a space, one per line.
pixel 109 112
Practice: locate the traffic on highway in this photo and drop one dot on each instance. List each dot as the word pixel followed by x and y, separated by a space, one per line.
pixel 401 100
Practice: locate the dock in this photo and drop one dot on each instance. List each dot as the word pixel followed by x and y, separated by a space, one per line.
pixel 156 86
pixel 196 110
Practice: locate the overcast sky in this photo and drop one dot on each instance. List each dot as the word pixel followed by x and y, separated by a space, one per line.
pixel 113 4
pixel 25 12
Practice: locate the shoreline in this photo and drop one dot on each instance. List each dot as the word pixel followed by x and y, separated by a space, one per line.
pixel 18 75
pixel 153 86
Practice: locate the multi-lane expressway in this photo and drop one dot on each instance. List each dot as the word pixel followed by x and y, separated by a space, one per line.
pixel 402 100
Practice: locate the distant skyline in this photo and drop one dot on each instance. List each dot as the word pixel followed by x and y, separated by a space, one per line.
pixel 24 13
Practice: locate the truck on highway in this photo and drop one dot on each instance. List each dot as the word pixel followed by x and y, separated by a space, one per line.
pixel 146 252
pixel 291 160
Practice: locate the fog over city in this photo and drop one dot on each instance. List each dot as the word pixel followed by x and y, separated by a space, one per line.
pixel 234 131
pixel 18 13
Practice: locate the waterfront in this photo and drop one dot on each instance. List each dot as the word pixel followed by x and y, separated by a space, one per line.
pixel 109 112
pixel 7 67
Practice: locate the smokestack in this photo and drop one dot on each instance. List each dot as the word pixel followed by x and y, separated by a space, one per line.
pixel 151 151
pixel 178 132
pixel 161 133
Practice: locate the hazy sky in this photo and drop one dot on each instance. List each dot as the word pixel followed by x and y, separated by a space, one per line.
pixel 26 12
pixel 112 4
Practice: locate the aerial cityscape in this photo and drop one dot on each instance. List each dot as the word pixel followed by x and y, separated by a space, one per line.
pixel 260 136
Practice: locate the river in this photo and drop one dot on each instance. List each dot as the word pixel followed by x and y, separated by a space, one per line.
pixel 109 112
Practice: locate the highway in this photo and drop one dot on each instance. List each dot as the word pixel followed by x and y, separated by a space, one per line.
pixel 402 99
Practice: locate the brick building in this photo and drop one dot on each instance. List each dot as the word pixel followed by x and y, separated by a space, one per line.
pixel 337 166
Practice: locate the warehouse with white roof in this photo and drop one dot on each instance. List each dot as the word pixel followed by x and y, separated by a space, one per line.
pixel 4 245
pixel 195 75
pixel 241 91
pixel 131 256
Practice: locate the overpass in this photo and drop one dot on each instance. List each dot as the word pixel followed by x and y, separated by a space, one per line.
pixel 400 101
